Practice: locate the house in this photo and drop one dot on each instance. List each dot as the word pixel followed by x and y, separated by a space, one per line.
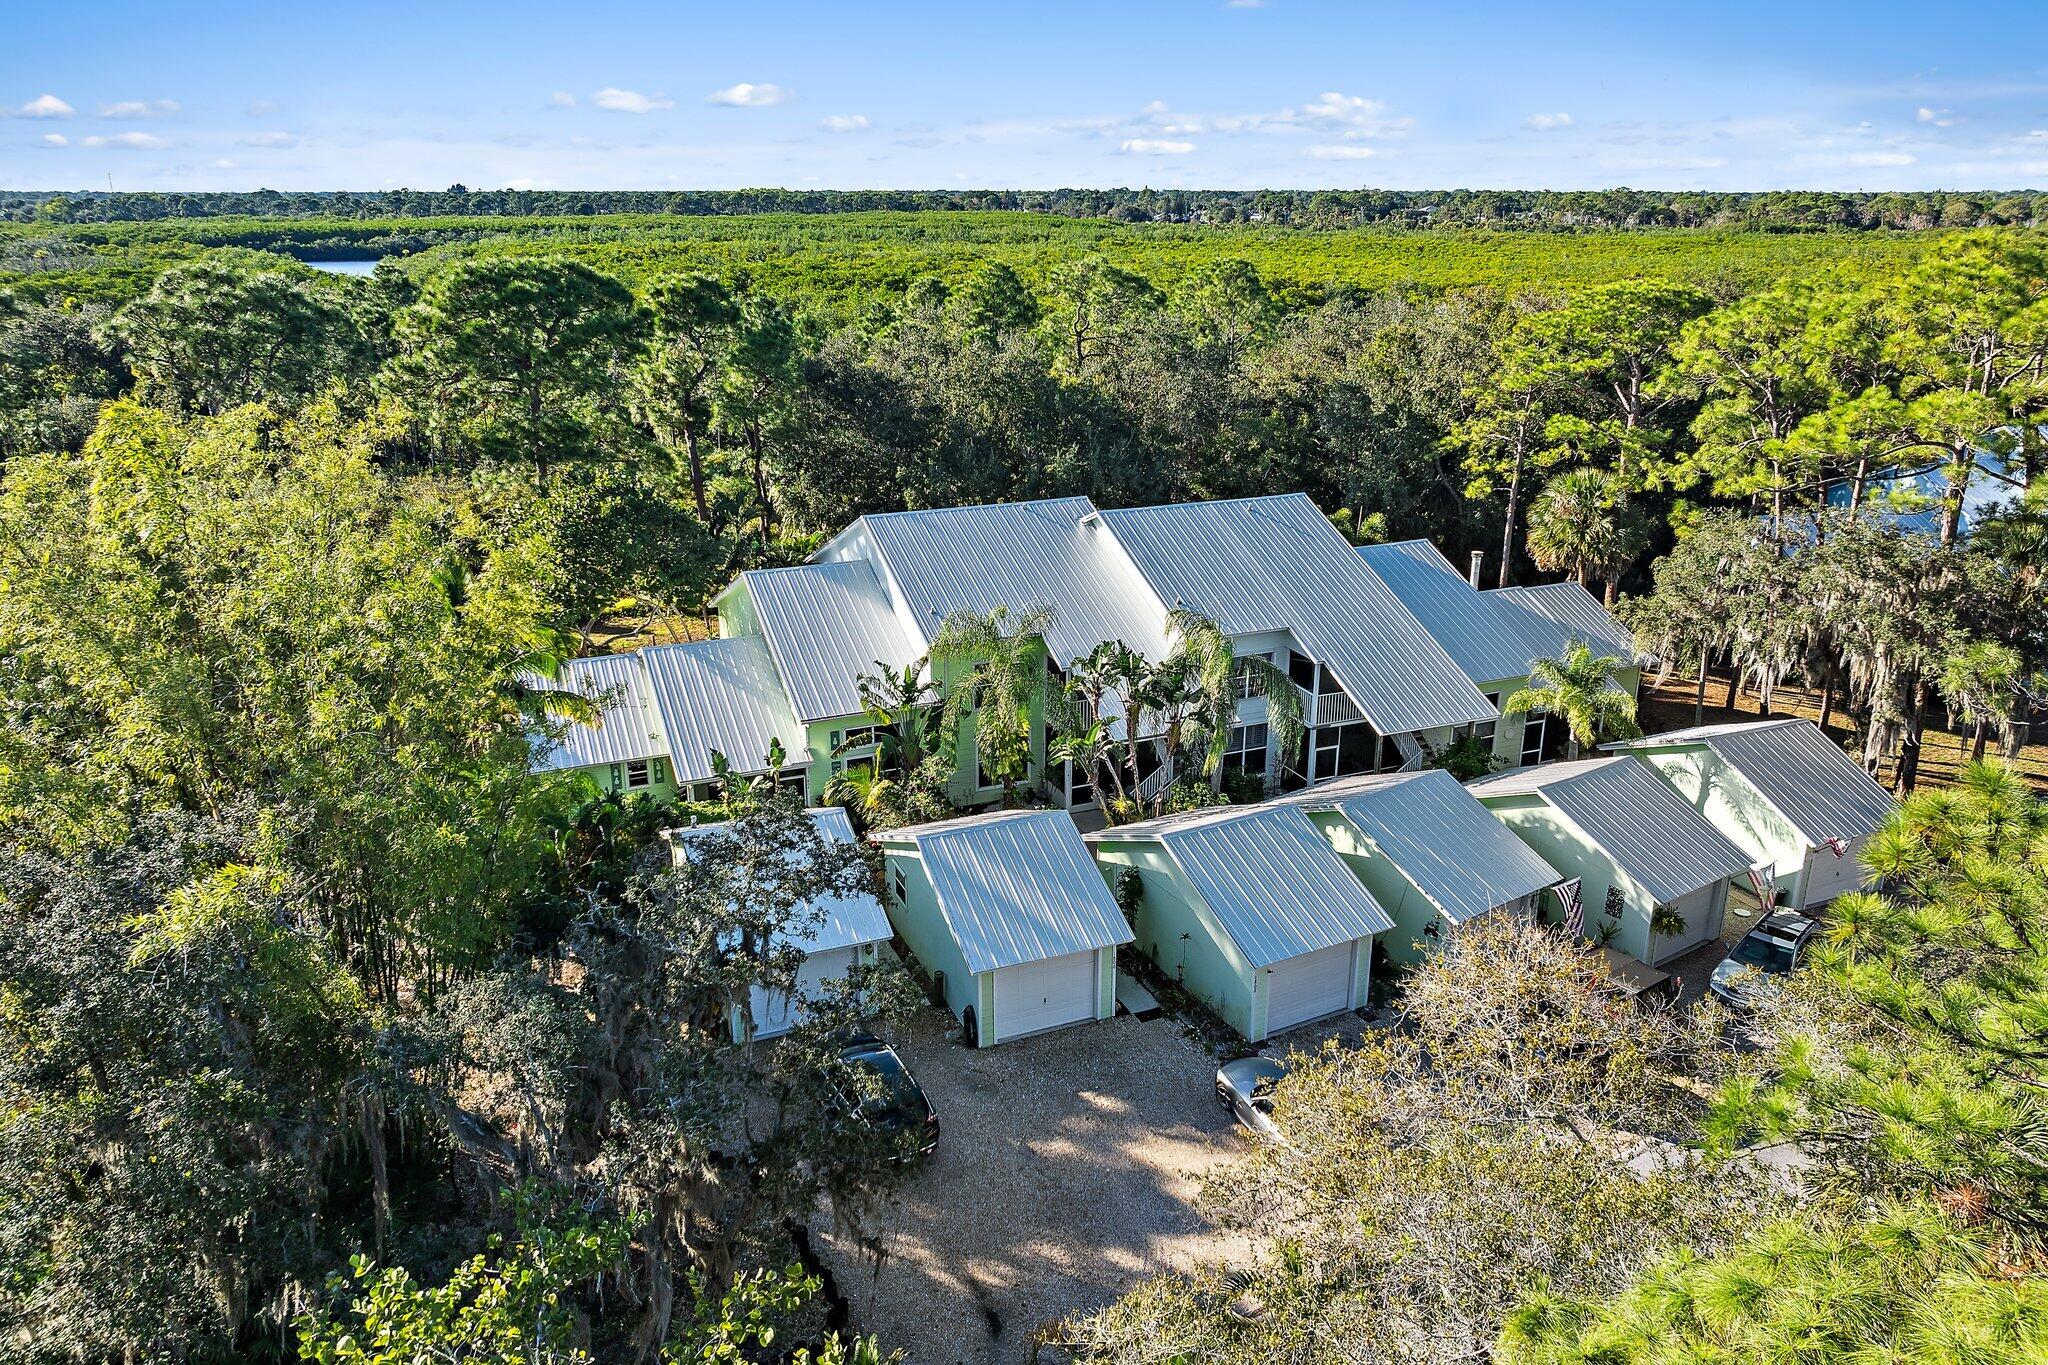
pixel 836 933
pixel 1637 850
pixel 1429 853
pixel 1496 636
pixel 1782 791
pixel 1252 910
pixel 1009 915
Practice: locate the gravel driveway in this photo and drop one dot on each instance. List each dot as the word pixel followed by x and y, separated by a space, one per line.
pixel 1065 1174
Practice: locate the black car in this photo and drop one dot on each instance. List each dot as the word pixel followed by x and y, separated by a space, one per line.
pixel 1772 949
pixel 892 1103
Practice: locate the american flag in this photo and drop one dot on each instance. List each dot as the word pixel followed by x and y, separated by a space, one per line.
pixel 1760 882
pixel 1574 908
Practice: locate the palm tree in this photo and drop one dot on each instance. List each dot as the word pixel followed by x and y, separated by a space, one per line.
pixel 900 704
pixel 1089 748
pixel 1582 524
pixel 1092 682
pixel 1002 659
pixel 1581 688
pixel 1214 674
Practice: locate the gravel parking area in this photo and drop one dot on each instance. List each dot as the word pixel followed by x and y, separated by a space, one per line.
pixel 1066 1173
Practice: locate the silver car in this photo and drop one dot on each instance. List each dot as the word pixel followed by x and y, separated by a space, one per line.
pixel 1245 1090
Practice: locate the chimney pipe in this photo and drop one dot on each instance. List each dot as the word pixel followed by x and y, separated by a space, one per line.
pixel 1478 563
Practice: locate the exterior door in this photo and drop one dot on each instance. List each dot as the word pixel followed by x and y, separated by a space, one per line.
pixel 1308 987
pixel 1032 997
pixel 776 1012
pixel 1701 910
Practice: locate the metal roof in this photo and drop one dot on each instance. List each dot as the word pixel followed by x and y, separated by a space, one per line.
pixel 1275 883
pixel 1016 886
pixel 626 728
pixel 1438 836
pixel 825 625
pixel 847 920
pixel 1821 790
pixel 1490 638
pixel 1627 810
pixel 1267 564
pixel 723 695
pixel 1568 612
pixel 1018 555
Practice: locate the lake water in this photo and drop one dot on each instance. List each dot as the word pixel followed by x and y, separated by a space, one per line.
pixel 343 267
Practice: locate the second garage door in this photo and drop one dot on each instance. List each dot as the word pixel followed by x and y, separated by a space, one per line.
pixel 1034 996
pixel 1308 987
pixel 1829 876
pixel 1699 910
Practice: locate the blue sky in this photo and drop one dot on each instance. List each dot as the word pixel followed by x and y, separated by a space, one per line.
pixel 1749 94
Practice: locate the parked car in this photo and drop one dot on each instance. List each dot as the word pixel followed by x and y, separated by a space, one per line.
pixel 1245 1090
pixel 1771 949
pixel 894 1104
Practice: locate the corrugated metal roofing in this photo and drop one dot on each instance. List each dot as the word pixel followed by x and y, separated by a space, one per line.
pixel 626 727
pixel 723 695
pixel 1273 880
pixel 1016 886
pixel 1627 810
pixel 825 625
pixel 1491 639
pixel 1821 790
pixel 1572 613
pixel 1268 564
pixel 1017 555
pixel 847 920
pixel 1438 836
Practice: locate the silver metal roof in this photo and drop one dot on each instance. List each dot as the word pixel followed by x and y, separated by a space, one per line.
pixel 1268 564
pixel 723 695
pixel 1438 836
pixel 626 727
pixel 1272 878
pixel 1570 613
pixel 847 920
pixel 1017 555
pixel 1627 810
pixel 1492 639
pixel 825 625
pixel 1821 790
pixel 1016 886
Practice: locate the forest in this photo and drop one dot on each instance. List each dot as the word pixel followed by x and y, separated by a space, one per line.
pixel 334 1032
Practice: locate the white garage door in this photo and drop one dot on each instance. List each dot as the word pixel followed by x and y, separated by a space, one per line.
pixel 775 1012
pixel 1034 996
pixel 1308 987
pixel 1830 876
pixel 1702 922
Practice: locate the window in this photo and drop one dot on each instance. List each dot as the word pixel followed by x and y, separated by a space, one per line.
pixel 856 736
pixel 1345 749
pixel 1245 689
pixel 1483 731
pixel 1532 738
pixel 897 887
pixel 638 774
pixel 1246 749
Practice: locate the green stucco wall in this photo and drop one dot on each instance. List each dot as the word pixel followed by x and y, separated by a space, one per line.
pixel 1567 848
pixel 1177 930
pixel 1407 942
pixel 1731 805
pixel 916 917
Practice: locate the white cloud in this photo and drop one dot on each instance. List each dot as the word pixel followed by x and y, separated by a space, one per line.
pixel 630 101
pixel 1341 152
pixel 1863 159
pixel 221 163
pixel 1156 146
pixel 1940 118
pixel 2035 135
pixel 748 95
pixel 524 182
pixel 1331 107
pixel 1544 122
pixel 136 141
pixel 843 123
pixel 56 140
pixel 139 109
pixel 1244 4
pixel 562 99
pixel 45 106
pixel 270 140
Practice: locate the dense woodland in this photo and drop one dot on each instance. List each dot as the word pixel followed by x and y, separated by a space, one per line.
pixel 301 963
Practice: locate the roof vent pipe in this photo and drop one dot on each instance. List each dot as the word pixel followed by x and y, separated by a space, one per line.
pixel 1478 562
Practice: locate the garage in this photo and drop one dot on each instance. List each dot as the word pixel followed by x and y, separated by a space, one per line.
pixel 775 1012
pixel 1829 875
pixel 1032 997
pixel 1308 987
pixel 1702 914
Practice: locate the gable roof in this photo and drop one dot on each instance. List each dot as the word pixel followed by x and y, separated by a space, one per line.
pixel 846 920
pixel 626 727
pixel 1438 836
pixel 1018 555
pixel 1274 882
pixel 723 695
pixel 1627 810
pixel 825 625
pixel 1255 565
pixel 1489 637
pixel 1015 886
pixel 1823 792
pixel 1563 612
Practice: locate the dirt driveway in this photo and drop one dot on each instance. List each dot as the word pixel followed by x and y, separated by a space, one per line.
pixel 1065 1174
